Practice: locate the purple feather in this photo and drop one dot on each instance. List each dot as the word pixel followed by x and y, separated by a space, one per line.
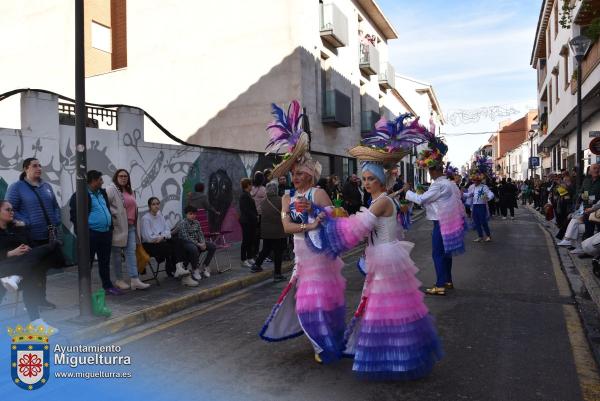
pixel 397 134
pixel 286 128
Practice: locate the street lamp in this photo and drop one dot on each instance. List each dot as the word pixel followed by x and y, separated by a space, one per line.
pixel 531 135
pixel 579 46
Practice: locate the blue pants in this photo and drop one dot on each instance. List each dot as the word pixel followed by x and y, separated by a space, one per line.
pixel 480 220
pixel 130 258
pixel 100 244
pixel 441 260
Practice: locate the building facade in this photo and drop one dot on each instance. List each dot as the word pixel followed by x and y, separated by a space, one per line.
pixel 557 83
pixel 212 83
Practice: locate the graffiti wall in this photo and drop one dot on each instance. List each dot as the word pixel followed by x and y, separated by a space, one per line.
pixel 168 172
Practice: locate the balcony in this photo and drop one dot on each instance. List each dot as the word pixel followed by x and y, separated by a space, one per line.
pixel 337 109
pixel 368 120
pixel 334 25
pixel 387 77
pixel 591 60
pixel 369 59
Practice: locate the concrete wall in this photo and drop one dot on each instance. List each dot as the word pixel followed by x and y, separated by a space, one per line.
pixel 168 172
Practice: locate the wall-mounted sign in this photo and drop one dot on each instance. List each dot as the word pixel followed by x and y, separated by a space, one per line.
pixel 595 146
pixel 594 134
pixel 534 161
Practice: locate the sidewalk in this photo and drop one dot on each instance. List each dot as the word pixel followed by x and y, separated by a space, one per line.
pixel 584 284
pixel 135 308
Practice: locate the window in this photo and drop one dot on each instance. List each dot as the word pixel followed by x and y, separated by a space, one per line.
pixel 550 95
pixel 548 42
pixel 556 86
pixel 555 18
pixel 101 37
pixel 555 72
pixel 564 52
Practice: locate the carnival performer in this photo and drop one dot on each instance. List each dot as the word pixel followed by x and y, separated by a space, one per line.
pixel 391 335
pixel 444 207
pixel 313 301
pixel 480 194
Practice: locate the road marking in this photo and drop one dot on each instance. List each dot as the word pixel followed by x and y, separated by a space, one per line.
pixel 585 365
pixel 174 322
pixel 561 281
pixel 589 381
pixel 179 320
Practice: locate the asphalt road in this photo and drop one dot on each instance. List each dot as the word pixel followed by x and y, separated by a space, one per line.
pixel 503 330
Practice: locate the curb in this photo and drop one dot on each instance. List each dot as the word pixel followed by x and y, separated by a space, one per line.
pixel 134 319
pixel 585 288
pixel 582 280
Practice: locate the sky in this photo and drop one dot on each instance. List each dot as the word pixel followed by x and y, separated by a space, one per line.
pixel 475 53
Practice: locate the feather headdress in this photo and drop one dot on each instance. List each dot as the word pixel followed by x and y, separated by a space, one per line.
pixel 286 129
pixel 450 171
pixel 482 167
pixel 390 141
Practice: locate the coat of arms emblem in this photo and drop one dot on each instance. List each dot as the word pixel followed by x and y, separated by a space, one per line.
pixel 30 356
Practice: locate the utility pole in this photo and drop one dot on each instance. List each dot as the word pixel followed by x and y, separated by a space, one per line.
pixel 83 240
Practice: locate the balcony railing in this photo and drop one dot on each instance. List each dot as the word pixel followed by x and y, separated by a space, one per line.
pixel 66 116
pixel 337 109
pixel 387 77
pixel 334 25
pixel 368 120
pixel 542 77
pixel 369 59
pixel 591 60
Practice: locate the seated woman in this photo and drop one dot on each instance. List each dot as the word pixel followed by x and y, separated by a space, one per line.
pixel 157 241
pixel 17 257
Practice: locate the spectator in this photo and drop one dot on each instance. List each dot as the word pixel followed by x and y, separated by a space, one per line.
pixel 123 209
pixel 282 185
pixel 323 183
pixel 352 196
pixel 199 200
pixel 508 198
pixel 333 187
pixel 29 263
pixel 100 227
pixel 157 240
pixel 249 223
pixel 259 194
pixel 590 194
pixel 274 238
pixel 34 204
pixel 193 244
pixel 268 174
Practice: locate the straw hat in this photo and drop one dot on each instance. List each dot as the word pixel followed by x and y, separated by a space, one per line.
pixel 373 154
pixel 299 150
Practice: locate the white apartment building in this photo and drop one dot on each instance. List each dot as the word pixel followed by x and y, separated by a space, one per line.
pixel 208 71
pixel 557 84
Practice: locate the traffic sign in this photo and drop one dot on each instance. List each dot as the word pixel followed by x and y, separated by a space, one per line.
pixel 534 161
pixel 595 146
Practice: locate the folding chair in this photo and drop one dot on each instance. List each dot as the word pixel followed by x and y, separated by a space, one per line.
pixel 216 238
pixel 155 269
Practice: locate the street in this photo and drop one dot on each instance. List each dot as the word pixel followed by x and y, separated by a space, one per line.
pixel 504 331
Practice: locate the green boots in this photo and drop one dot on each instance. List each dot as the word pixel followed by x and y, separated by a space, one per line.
pixel 99 303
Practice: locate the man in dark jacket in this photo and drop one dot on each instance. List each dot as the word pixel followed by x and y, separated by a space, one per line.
pixel 100 227
pixel 249 223
pixel 351 194
pixel 508 197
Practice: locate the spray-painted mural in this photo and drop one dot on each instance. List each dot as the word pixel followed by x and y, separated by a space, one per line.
pixel 168 172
